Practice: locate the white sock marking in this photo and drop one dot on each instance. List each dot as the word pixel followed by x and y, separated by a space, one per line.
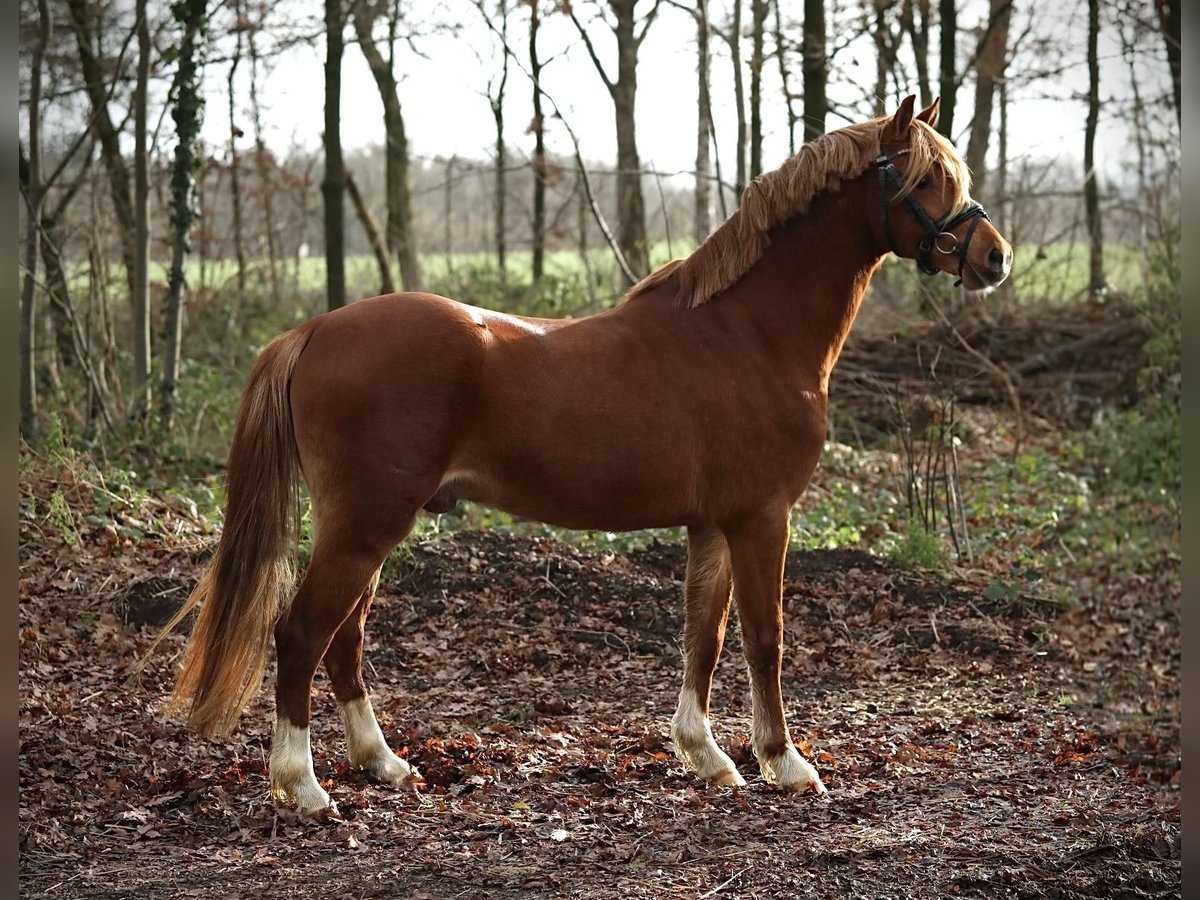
pixel 789 770
pixel 694 742
pixel 368 749
pixel 292 775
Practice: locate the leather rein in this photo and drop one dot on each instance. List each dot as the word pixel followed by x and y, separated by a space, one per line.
pixel 938 235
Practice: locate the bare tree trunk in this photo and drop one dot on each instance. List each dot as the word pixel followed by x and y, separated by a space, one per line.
pixel 947 66
pixel 400 230
pixel 1002 207
pixel 1091 194
pixel 333 183
pixel 1169 22
pixel 990 62
pixel 95 73
pixel 739 99
pixel 188 115
pixel 501 186
pixel 374 237
pixel 538 238
pixel 263 160
pixel 33 195
pixel 235 165
pixel 702 216
pixel 758 20
pixel 885 54
pixel 784 79
pixel 141 211
pixel 1004 204
pixel 631 210
pixel 631 233
pixel 918 35
pixel 812 70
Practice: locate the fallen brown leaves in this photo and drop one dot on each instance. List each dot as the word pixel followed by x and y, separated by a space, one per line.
pixel 972 746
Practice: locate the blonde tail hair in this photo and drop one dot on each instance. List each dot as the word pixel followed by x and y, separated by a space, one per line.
pixel 246 586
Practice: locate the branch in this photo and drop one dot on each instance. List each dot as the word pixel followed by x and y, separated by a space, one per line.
pixel 646 23
pixel 587 42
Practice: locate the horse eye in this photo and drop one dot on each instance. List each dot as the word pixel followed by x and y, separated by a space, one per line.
pixel 925 182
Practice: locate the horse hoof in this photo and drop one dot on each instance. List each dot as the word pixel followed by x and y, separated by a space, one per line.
pixel 321 814
pixel 729 778
pixel 396 772
pixel 805 787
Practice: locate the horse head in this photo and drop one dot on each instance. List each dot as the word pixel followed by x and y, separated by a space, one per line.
pixel 925 208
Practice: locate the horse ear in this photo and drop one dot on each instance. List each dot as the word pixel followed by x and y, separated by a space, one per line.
pixel 897 128
pixel 929 115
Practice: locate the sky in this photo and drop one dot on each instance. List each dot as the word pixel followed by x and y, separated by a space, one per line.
pixel 447 113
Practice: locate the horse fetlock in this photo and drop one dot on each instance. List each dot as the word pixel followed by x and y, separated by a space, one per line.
pixel 368 749
pixel 698 751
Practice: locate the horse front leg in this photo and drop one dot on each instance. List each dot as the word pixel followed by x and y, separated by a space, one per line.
pixel 757 550
pixel 706 611
pixel 366 746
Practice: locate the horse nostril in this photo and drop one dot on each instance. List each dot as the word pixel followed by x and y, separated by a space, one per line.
pixel 999 261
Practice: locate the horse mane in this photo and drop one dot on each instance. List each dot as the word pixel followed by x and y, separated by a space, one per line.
pixel 775 197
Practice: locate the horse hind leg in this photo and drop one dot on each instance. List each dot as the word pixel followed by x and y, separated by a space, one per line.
pixel 338 575
pixel 366 746
pixel 707 599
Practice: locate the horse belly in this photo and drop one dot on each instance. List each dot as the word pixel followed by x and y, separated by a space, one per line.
pixel 570 490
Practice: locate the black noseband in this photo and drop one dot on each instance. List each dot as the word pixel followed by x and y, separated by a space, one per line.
pixel 938 235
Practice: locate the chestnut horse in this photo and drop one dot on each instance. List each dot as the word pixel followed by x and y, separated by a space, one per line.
pixel 700 401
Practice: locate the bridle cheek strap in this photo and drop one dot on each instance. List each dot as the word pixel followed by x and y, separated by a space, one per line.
pixel 936 232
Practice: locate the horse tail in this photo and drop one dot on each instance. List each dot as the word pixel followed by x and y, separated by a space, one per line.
pixel 246 587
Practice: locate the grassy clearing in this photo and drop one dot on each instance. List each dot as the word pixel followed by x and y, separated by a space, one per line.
pixel 1050 272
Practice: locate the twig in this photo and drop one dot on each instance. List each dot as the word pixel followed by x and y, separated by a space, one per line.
pixel 724 884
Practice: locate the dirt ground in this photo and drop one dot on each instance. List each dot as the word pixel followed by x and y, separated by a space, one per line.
pixel 972 747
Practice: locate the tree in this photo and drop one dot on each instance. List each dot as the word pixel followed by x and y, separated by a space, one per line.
pixel 785 80
pixel 538 125
pixel 813 69
pixel 86 25
pixel 702 215
pixel 631 211
pixel 188 114
pixel 235 166
pixel 991 57
pixel 496 91
pixel 333 183
pixel 141 217
pixel 33 195
pixel 1169 23
pixel 399 202
pixel 264 164
pixel 758 20
pixel 914 19
pixel 733 37
pixel 885 53
pixel 947 66
pixel 1091 194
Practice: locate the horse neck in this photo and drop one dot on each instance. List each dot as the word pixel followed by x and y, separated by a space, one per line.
pixel 805 291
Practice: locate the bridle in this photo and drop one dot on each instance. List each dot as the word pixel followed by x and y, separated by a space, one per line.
pixel 938 235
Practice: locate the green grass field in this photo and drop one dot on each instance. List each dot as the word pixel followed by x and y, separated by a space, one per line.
pixel 1053 273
